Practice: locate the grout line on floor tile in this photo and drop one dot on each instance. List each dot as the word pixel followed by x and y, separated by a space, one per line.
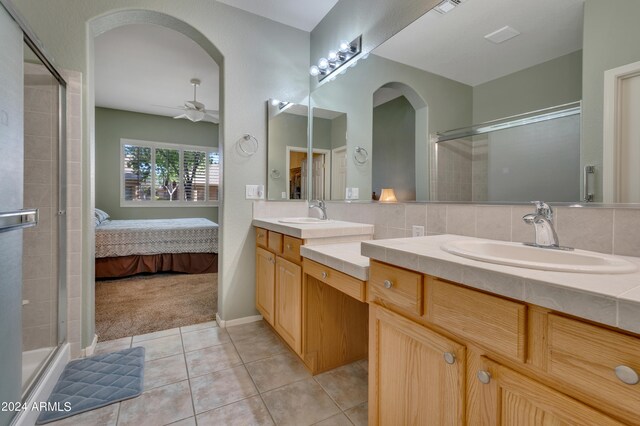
pixel 118 415
pixel 244 364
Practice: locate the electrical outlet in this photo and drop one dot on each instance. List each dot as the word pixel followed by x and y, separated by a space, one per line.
pixel 417 231
pixel 283 195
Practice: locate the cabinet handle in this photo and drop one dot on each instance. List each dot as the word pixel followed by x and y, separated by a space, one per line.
pixel 272 260
pixel 288 246
pixel 484 377
pixel 449 358
pixel 324 274
pixel 627 375
pixel 388 284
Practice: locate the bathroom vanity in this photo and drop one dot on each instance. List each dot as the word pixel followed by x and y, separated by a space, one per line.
pixel 457 341
pixel 319 311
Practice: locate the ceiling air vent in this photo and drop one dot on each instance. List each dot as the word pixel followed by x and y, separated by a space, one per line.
pixel 502 35
pixel 447 6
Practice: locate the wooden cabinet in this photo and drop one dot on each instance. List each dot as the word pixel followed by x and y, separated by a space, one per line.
pixel 288 316
pixel 514 399
pixel 335 322
pixel 524 364
pixel 279 284
pixel 265 283
pixel 416 376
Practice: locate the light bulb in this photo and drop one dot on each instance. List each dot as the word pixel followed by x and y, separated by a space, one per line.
pixel 365 56
pixel 345 46
pixel 332 56
pixel 314 70
pixel 275 102
pixel 323 63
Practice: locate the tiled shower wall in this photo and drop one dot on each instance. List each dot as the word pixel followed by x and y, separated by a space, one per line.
pixel 74 210
pixel 41 189
pixel 40 244
pixel 606 230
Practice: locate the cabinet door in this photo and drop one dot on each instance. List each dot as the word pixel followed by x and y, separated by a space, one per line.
pixel 265 283
pixel 416 376
pixel 520 401
pixel 289 303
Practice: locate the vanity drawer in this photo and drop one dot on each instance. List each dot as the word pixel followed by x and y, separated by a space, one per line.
pixel 261 237
pixel 340 281
pixel 586 356
pixel 291 249
pixel 275 242
pixel 390 285
pixel 494 322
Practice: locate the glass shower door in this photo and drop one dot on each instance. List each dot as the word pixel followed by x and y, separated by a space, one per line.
pixel 11 178
pixel 41 254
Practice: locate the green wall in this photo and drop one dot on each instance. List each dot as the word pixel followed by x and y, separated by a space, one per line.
pixel 551 83
pixel 111 126
pixel 394 141
pixel 611 39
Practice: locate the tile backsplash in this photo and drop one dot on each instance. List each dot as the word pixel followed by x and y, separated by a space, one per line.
pixel 605 230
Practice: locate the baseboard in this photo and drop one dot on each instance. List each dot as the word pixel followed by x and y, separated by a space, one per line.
pixel 89 350
pixel 44 387
pixel 238 321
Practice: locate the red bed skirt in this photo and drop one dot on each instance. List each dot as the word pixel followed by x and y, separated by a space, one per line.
pixel 124 266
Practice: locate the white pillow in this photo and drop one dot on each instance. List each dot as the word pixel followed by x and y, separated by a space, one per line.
pixel 101 216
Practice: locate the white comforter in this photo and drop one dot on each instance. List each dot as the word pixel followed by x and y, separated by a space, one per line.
pixel 155 236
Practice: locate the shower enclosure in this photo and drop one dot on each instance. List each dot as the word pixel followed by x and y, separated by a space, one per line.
pixel 32 217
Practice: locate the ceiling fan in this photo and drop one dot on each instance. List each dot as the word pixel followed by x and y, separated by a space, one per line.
pixel 196 111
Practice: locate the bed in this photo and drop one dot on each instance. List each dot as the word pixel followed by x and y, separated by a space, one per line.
pixel 129 247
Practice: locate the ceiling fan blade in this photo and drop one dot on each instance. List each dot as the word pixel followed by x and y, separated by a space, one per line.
pixel 212 111
pixel 182 116
pixel 212 118
pixel 169 107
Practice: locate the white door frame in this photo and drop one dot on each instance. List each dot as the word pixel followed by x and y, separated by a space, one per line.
pixel 611 128
pixel 327 164
pixel 333 153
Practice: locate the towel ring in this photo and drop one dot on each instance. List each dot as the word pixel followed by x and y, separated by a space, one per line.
pixel 275 174
pixel 360 155
pixel 248 144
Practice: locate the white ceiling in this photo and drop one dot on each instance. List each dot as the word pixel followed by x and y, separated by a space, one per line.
pixel 144 67
pixel 301 14
pixel 453 45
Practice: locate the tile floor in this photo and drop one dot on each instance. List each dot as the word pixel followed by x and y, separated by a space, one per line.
pixel 241 375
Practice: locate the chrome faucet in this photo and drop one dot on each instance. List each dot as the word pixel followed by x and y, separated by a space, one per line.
pixel 542 221
pixel 319 204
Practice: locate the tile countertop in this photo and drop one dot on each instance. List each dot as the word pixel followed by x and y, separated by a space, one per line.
pixel 332 229
pixel 344 257
pixel 611 299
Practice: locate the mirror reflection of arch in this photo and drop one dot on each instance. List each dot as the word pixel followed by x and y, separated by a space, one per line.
pixel 400 143
pixel 440 104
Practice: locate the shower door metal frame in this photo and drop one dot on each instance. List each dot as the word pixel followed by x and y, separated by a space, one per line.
pixel 32 41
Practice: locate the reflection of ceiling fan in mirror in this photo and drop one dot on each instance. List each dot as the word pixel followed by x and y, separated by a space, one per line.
pixel 196 111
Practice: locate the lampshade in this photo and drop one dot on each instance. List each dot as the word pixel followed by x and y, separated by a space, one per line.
pixel 388 195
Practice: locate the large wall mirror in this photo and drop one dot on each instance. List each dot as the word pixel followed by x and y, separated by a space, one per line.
pixel 294 171
pixel 495 101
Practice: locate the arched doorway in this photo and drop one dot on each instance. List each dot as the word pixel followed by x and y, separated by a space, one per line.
pixel 97 27
pixel 400 142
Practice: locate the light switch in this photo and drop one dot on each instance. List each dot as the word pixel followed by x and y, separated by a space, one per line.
pixel 352 194
pixel 254 192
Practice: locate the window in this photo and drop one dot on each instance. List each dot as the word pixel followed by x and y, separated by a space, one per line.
pixel 160 174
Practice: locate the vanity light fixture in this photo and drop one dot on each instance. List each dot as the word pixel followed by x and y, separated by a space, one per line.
pixel 336 59
pixel 388 195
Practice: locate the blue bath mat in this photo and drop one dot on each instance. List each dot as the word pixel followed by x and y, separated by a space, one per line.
pixel 90 383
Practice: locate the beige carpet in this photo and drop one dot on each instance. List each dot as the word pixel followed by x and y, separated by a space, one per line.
pixel 144 304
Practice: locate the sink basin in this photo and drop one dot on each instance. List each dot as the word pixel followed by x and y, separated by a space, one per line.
pixel 304 220
pixel 515 254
